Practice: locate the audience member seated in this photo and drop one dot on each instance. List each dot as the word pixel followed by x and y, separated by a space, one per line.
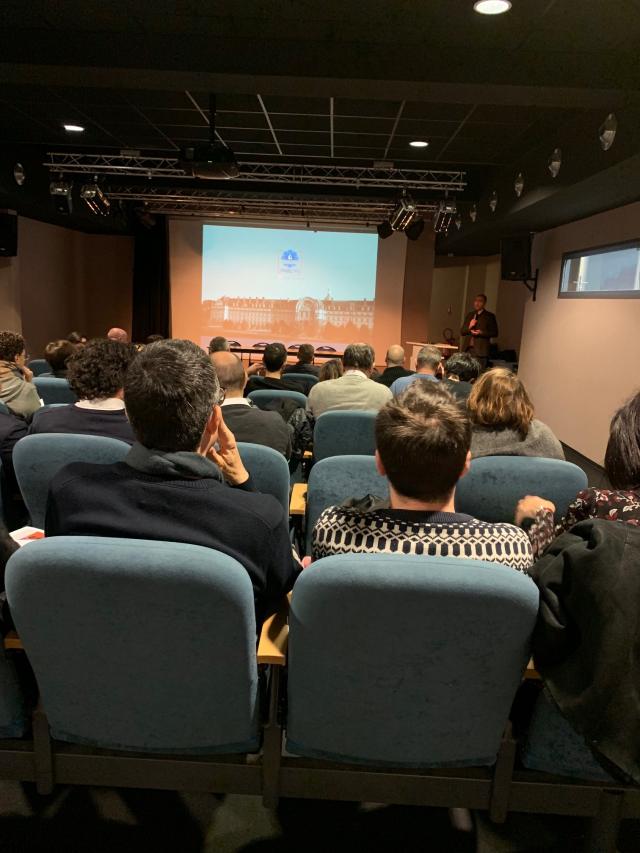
pixel 117 334
pixel 619 503
pixel 353 390
pixel 77 339
pixel 423 439
pixel 96 375
pixel 395 368
pixel 304 364
pixel 57 353
pixel 246 421
pixel 12 429
pixel 218 344
pixel 273 361
pixel 17 390
pixel 331 369
pixel 152 339
pixel 171 487
pixel 503 423
pixel 7 548
pixel 428 367
pixel 461 370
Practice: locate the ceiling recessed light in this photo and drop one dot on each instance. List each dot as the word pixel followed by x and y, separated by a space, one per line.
pixel 418 143
pixel 73 128
pixel 492 7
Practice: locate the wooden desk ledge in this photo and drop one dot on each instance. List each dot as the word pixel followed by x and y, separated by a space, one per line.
pixel 12 641
pixel 274 637
pixel 298 503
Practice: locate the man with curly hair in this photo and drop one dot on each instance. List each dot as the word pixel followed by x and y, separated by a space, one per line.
pixel 17 390
pixel 96 374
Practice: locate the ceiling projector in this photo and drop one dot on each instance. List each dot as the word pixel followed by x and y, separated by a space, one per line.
pixel 212 161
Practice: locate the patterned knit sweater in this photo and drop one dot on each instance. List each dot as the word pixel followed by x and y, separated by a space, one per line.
pixel 348 530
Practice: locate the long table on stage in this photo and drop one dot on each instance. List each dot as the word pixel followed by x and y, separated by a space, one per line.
pixel 259 351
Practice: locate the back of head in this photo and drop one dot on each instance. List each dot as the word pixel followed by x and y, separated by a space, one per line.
pixel 218 344
pixel 230 371
pixel 306 353
pixel 622 459
pixel 58 352
pixel 395 356
pixel 151 339
pixel 117 334
pixel 97 371
pixel 170 390
pixel 499 400
pixel 429 357
pixel 275 355
pixel 359 357
pixel 76 338
pixel 11 345
pixel 331 369
pixel 464 366
pixel 423 438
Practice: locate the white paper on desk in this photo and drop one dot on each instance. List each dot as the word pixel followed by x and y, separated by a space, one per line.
pixel 24 535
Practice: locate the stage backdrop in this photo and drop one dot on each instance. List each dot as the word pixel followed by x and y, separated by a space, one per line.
pixel 259 284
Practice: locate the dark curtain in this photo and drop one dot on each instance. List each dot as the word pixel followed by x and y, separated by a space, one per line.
pixel 151 292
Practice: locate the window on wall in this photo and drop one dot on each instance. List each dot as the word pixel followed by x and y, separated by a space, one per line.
pixel 605 271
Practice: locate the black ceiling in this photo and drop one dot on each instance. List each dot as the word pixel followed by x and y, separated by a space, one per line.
pixel 333 82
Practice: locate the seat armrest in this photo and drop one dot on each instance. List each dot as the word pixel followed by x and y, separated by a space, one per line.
pixel 298 503
pixel 12 641
pixel 274 637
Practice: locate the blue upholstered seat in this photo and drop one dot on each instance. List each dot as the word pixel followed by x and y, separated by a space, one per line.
pixel 54 390
pixel 13 719
pixel 4 409
pixel 337 478
pixel 406 661
pixel 37 458
pixel 553 746
pixel 269 471
pixel 304 379
pixel 137 644
pixel 344 433
pixel 266 396
pixel 495 484
pixel 38 366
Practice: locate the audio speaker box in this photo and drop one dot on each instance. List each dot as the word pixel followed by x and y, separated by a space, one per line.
pixel 516 258
pixel 8 234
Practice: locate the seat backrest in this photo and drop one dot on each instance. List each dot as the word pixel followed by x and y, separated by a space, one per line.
pixel 269 471
pixel 343 433
pixel 4 408
pixel 337 478
pixel 38 458
pixel 138 644
pixel 54 390
pixel 404 660
pixel 38 366
pixel 263 397
pixel 306 380
pixel 13 717
pixel 495 484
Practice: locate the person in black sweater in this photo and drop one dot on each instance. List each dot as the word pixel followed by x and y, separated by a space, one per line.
pixel 304 364
pixel 12 429
pixel 171 487
pixel 395 366
pixel 271 366
pixel 461 370
pixel 96 374
pixel 58 353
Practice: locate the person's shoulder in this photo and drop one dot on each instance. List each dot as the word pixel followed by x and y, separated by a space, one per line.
pixel 257 506
pixel 86 472
pixel 48 415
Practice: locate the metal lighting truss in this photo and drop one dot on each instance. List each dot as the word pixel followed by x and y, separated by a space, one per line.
pixel 271 173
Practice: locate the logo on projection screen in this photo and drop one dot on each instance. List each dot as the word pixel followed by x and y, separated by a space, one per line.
pixel 289 263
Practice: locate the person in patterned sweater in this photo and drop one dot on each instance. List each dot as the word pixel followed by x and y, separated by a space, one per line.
pixel 620 503
pixel 423 439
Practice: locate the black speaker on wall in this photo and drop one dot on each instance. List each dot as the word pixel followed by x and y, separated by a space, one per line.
pixel 516 258
pixel 8 234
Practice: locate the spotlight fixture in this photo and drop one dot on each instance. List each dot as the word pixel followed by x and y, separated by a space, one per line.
pixel 492 7
pixel 519 184
pixel 555 161
pixel 473 213
pixel 444 216
pixel 73 128
pixel 607 131
pixel 95 199
pixel 403 213
pixel 60 191
pixel 493 201
pixel 384 230
pixel 419 143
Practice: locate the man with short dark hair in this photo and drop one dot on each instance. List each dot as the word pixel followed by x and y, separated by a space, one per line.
pixel 246 421
pixel 96 375
pixel 171 486
pixel 461 370
pixel 273 360
pixel 355 389
pixel 394 366
pixel 218 344
pixel 17 390
pixel 57 353
pixel 478 328
pixel 428 367
pixel 304 364
pixel 423 440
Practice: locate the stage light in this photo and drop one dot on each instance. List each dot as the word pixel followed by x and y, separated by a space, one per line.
pixel 555 161
pixel 607 132
pixel 73 128
pixel 414 230
pixel 60 191
pixel 519 184
pixel 95 199
pixel 444 215
pixel 403 214
pixel 493 201
pixel 419 143
pixel 473 213
pixel 492 7
pixel 384 229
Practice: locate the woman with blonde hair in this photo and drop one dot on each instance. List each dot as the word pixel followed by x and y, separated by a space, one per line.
pixel 502 418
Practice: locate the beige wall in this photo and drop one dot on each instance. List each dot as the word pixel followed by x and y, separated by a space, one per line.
pixel 580 357
pixel 63 280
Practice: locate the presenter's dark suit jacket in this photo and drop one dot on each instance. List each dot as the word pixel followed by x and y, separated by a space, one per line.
pixel 479 344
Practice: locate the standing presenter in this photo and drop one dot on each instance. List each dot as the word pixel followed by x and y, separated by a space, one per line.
pixel 477 330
